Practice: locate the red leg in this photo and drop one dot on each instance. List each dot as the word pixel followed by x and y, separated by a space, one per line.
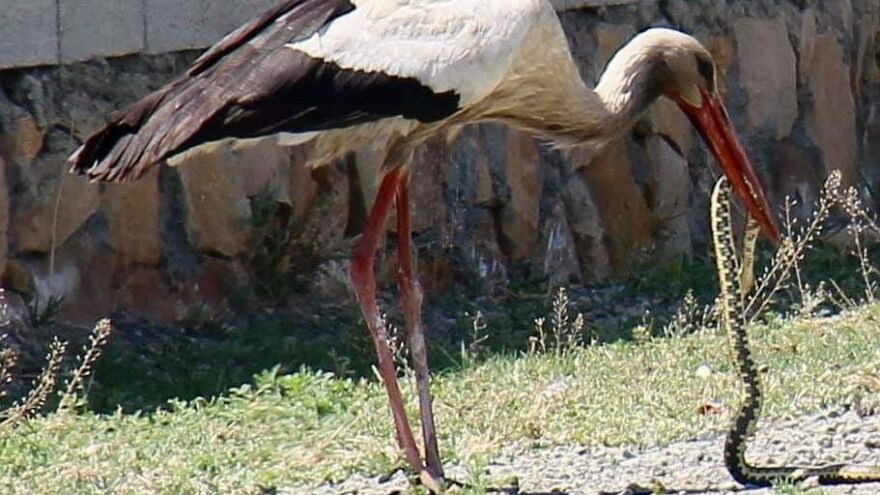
pixel 411 295
pixel 364 281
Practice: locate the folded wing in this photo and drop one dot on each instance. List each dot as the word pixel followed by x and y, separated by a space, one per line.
pixel 253 84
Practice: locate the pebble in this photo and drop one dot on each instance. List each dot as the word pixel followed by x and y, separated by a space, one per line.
pixel 704 371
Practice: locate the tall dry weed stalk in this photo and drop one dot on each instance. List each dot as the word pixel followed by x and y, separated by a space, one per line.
pixel 862 224
pixel 795 243
pixel 479 335
pixel 8 360
pixel 46 382
pixel 397 343
pixel 41 388
pixel 785 270
pixel 91 351
pixel 563 333
pixel 690 317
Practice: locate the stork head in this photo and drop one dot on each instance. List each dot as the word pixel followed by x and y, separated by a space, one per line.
pixel 676 65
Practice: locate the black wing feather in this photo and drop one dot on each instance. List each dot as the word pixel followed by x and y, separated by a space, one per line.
pixel 248 85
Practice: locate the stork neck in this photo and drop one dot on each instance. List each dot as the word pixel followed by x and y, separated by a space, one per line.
pixel 626 90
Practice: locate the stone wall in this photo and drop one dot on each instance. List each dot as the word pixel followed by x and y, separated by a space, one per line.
pixel 50 32
pixel 235 225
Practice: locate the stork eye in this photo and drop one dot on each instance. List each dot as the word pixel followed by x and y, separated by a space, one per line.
pixel 706 69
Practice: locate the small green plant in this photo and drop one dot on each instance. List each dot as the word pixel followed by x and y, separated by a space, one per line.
pixel 786 488
pixel 270 259
pixel 42 314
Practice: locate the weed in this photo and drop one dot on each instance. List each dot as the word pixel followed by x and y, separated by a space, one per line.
pixel 788 259
pixel 90 354
pixel 787 488
pixel 46 382
pixel 8 360
pixel 40 314
pixel 397 342
pixel 564 333
pixel 40 390
pixel 690 317
pixel 860 224
pixel 643 332
pixel 470 353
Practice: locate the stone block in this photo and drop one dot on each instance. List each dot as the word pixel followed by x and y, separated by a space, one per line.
pixel 147 293
pixel 668 187
pixel 587 230
pixel 21 139
pixel 61 208
pixel 217 207
pixel 98 28
pixel 625 215
pixel 807 45
pixel 609 39
pixel 833 115
pixel 768 74
pixel 428 186
pixel 520 218
pixel 132 210
pixel 176 25
pixel 29 35
pixel 797 177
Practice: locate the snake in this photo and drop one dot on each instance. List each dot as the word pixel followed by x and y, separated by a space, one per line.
pixel 734 282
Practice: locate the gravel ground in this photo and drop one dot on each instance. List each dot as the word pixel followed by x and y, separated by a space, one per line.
pixel 691 467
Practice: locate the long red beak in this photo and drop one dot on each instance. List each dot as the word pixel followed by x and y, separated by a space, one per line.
pixel 715 127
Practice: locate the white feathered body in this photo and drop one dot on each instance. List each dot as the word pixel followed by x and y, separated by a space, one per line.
pixel 509 62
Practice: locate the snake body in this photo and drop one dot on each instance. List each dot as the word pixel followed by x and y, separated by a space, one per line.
pixel 732 282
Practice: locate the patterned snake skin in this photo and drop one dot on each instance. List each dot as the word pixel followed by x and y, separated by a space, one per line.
pixel 732 283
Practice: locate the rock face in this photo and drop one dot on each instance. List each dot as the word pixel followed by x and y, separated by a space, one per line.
pixel 490 205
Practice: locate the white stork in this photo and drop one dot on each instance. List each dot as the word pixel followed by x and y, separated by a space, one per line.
pixel 346 73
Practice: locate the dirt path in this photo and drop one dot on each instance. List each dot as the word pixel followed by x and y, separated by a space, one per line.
pixel 692 467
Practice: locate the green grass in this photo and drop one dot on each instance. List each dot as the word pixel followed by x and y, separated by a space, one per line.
pixel 309 427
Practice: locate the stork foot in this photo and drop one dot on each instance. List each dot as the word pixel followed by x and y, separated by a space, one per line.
pixel 434 484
